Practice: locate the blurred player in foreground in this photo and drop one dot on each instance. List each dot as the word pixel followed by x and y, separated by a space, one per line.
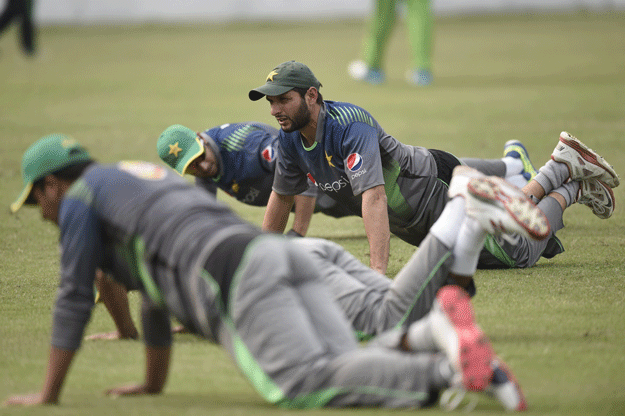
pixel 256 294
pixel 403 189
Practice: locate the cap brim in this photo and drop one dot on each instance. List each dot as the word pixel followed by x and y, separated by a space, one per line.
pixel 194 151
pixel 268 89
pixel 15 206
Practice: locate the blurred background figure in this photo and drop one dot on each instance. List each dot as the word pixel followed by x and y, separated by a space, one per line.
pixel 21 10
pixel 419 20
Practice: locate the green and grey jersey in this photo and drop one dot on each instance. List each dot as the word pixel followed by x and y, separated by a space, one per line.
pixel 154 232
pixel 352 153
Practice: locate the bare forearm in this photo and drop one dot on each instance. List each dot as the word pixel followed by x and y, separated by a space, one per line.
pixel 58 365
pixel 375 218
pixel 157 367
pixel 304 209
pixel 115 298
pixel 277 212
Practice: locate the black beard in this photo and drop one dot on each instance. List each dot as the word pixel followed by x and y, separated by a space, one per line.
pixel 300 119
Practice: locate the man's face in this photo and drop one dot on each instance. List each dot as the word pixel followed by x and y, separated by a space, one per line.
pixel 205 165
pixel 291 111
pixel 49 198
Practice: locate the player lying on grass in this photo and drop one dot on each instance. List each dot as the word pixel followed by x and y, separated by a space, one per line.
pixel 399 188
pixel 256 294
pixel 240 159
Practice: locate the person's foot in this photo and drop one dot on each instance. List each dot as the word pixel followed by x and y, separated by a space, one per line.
pixel 583 162
pixel 419 77
pixel 359 71
pixel 460 338
pixel 505 388
pixel 460 178
pixel 515 149
pixel 597 196
pixel 504 209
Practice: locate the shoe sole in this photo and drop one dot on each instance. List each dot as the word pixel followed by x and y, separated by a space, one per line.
pixel 524 212
pixel 609 177
pixel 474 352
pixel 602 211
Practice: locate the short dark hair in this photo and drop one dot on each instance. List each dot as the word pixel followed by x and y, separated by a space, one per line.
pixel 302 92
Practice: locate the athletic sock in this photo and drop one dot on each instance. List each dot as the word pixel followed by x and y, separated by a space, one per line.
pixel 445 229
pixel 514 166
pixel 517 180
pixel 419 336
pixel 552 175
pixel 469 243
pixel 569 192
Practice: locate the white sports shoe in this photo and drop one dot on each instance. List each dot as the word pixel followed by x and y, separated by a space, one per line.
pixel 503 209
pixel 460 179
pixel 598 197
pixel 583 162
pixel 359 71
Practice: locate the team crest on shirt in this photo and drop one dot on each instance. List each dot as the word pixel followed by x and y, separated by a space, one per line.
pixel 354 162
pixel 269 153
pixel 143 170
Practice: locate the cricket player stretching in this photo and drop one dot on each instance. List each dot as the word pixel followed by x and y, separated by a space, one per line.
pixel 403 189
pixel 257 295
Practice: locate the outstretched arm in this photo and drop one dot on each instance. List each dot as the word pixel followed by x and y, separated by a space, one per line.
pixel 304 209
pixel 375 218
pixel 157 336
pixel 58 364
pixel 277 212
pixel 115 298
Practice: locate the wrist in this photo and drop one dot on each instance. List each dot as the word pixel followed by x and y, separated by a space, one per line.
pixel 293 233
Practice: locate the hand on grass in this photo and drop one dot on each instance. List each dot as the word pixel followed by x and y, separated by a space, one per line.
pixel 114 335
pixel 32 399
pixel 103 335
pixel 129 390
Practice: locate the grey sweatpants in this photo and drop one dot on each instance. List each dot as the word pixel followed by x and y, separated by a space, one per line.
pixel 521 252
pixel 372 302
pixel 295 345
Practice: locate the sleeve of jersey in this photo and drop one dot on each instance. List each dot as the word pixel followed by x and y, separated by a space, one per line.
pixel 363 164
pixel 81 252
pixel 312 190
pixel 289 179
pixel 156 325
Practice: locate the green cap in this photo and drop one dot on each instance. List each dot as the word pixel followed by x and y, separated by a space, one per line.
pixel 284 78
pixel 47 155
pixel 178 146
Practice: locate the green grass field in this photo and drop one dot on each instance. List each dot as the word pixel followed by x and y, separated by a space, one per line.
pixel 559 325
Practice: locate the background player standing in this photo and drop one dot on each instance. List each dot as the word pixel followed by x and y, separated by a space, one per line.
pixel 419 23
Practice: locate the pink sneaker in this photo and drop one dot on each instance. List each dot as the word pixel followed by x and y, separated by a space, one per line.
pixel 462 341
